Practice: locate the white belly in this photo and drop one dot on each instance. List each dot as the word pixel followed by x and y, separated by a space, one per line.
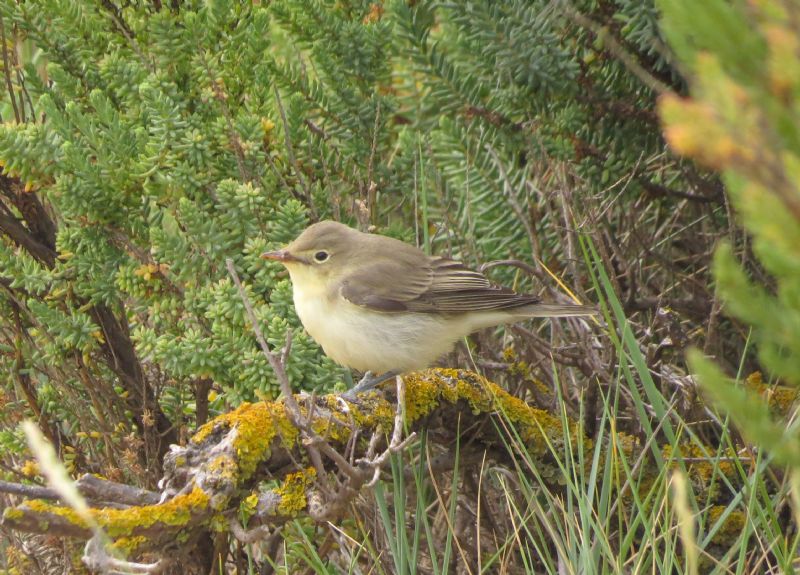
pixel 372 341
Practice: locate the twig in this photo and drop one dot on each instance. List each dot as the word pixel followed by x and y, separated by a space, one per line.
pixel 287 347
pixel 372 187
pixel 29 491
pixel 248 536
pixel 274 360
pixel 300 197
pixel 661 190
pixel 513 199
pixel 91 487
pixel 96 558
pixel 617 50
pixel 115 13
pixel 367 467
pixel 565 199
pixel 526 267
pixel 395 444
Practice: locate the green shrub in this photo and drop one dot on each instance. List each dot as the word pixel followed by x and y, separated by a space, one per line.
pixel 742 120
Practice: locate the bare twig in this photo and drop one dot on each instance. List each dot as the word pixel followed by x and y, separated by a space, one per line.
pixel 368 468
pixel 611 44
pixel 274 360
pixel 96 558
pixel 333 455
pixel 94 489
pixel 248 536
pixel 287 348
pixel 513 199
pixel 397 443
pixel 30 491
pixel 372 187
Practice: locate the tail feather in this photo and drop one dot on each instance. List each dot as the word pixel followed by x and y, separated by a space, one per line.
pixel 555 310
pixel 504 316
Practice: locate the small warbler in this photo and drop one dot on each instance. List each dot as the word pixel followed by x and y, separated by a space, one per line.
pixel 380 305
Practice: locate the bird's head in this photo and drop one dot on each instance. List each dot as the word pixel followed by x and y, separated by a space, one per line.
pixel 323 252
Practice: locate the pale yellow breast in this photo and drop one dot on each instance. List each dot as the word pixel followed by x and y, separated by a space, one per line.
pixel 365 340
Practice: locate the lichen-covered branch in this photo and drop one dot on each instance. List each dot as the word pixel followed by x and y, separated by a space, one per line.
pixel 216 477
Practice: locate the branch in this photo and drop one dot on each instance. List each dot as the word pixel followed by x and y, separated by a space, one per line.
pixel 94 489
pixel 221 470
pixel 276 362
pixel 228 457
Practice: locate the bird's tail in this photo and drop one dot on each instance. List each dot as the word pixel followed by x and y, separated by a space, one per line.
pixel 555 310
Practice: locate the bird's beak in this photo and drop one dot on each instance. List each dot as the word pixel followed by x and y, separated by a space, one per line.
pixel 283 256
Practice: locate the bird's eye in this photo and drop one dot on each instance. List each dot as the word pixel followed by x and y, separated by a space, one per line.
pixel 321 256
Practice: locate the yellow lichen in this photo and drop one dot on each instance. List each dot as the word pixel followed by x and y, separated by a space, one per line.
pixel 531 423
pixel 259 424
pixel 755 380
pixel 293 491
pixel 17 561
pixel 731 528
pixel 12 513
pixel 123 522
pixel 223 466
pixel 781 398
pixel 30 468
pixel 426 389
pixel 375 412
pixel 334 426
pixel 129 545
pixel 176 511
pixel 626 443
pixel 703 464
pixel 422 395
pixel 256 425
pixel 248 506
pixel 219 523
pixel 41 506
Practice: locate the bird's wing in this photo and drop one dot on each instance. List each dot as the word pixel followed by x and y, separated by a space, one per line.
pixel 456 289
pixel 368 286
pixel 440 286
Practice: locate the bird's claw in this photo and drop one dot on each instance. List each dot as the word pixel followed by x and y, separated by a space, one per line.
pixel 369 381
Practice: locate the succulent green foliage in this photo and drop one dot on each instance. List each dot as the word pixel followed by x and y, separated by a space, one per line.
pixel 158 149
pixel 742 119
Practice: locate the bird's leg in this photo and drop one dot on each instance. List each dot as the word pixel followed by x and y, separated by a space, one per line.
pixel 369 381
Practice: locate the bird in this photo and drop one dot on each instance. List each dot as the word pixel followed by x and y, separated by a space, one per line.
pixel 384 307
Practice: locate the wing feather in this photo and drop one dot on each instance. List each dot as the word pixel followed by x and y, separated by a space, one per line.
pixel 440 285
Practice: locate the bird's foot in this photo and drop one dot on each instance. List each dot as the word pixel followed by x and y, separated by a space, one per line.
pixel 369 381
